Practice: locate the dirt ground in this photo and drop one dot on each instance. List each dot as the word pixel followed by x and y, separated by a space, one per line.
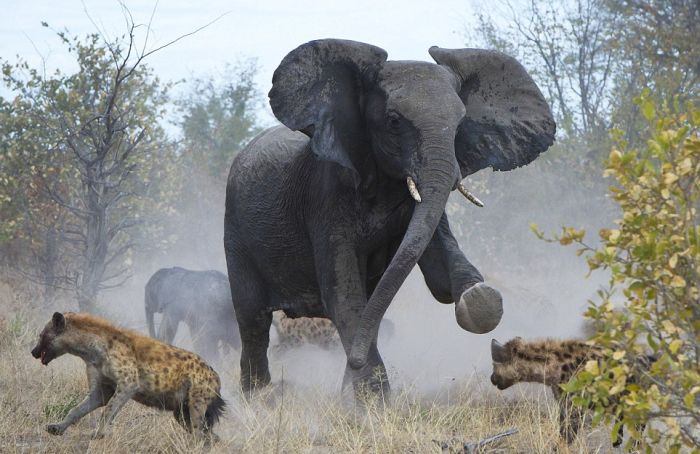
pixel 293 415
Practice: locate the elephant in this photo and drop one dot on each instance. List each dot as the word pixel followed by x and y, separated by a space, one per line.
pixel 202 299
pixel 328 213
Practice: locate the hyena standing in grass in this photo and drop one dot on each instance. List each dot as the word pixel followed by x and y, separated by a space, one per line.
pixel 553 363
pixel 124 365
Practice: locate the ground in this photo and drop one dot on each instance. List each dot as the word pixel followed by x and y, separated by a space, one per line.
pixel 439 375
pixel 289 417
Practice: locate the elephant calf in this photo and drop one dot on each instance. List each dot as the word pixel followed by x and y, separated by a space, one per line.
pixel 202 299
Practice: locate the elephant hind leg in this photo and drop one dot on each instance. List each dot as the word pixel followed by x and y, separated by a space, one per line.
pixel 251 302
pixel 255 337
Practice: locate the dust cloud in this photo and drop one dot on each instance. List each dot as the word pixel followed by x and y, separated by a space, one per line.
pixel 544 286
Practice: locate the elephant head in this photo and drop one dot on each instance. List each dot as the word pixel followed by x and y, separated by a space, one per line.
pixel 426 124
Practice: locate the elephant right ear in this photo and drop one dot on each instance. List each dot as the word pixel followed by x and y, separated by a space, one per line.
pixel 318 89
pixel 508 123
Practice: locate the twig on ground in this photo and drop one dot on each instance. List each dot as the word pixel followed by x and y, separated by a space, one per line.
pixel 471 447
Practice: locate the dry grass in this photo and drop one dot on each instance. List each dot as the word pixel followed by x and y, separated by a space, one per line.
pixel 285 418
pixel 297 416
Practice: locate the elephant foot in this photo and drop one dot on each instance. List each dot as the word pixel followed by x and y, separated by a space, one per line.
pixel 251 384
pixel 479 309
pixel 368 382
pixel 55 429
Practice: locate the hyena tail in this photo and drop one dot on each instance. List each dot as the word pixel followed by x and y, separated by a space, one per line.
pixel 214 411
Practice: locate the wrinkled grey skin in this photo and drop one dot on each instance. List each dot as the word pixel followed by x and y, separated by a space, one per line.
pixel 201 299
pixel 319 221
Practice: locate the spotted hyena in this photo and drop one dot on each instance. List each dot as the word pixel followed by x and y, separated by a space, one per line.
pixel 124 365
pixel 553 363
pixel 295 332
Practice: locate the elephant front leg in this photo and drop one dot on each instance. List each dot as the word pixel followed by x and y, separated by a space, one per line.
pixel 451 278
pixel 342 282
pixel 168 328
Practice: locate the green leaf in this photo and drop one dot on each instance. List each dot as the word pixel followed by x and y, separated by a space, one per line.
pixel 648 109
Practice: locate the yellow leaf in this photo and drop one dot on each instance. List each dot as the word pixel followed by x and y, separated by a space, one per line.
pixel 675 345
pixel 677 282
pixel 689 400
pixel 685 166
pixel 673 261
pixel 668 326
pixel 618 355
pixel 615 156
pixel 665 193
pixel 670 178
pixel 614 235
pixel 592 367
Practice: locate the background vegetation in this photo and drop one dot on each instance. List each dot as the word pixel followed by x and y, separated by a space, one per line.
pixel 104 170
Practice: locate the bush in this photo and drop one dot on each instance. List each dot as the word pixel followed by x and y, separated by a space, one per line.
pixel 653 257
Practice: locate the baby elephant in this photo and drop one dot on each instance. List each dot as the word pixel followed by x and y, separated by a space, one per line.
pixel 553 363
pixel 201 299
pixel 122 365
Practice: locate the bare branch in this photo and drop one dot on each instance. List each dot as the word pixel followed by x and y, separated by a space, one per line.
pixel 184 36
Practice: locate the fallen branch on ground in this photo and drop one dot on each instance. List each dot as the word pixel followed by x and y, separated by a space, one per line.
pixel 471 447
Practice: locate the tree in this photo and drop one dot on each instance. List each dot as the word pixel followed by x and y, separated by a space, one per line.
pixel 566 48
pixel 655 47
pixel 653 257
pixel 591 58
pixel 219 118
pixel 594 56
pixel 90 159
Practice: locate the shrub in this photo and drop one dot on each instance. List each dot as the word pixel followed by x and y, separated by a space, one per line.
pixel 653 257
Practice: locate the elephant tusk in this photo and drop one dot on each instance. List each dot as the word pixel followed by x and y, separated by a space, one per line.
pixel 471 197
pixel 412 189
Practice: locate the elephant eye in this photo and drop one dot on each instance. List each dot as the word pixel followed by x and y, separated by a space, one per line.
pixel 394 120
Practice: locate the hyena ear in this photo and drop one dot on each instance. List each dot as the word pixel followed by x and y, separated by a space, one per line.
pixel 59 321
pixel 499 353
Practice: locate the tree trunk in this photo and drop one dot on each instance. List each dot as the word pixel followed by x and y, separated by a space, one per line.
pixel 97 243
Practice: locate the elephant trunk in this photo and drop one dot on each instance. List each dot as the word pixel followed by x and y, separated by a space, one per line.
pixel 436 178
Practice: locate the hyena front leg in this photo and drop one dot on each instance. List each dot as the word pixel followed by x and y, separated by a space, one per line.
pixel 97 397
pixel 121 396
pixel 570 419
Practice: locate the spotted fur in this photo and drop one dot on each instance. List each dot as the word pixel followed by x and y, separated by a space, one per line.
pixel 124 365
pixel 552 363
pixel 295 332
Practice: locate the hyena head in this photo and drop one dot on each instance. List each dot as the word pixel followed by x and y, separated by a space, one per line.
pixel 508 367
pixel 506 371
pixel 538 362
pixel 50 345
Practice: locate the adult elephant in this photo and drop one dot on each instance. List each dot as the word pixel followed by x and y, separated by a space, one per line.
pixel 327 215
pixel 201 299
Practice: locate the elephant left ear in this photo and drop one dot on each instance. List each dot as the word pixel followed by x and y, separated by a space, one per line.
pixel 508 123
pixel 318 89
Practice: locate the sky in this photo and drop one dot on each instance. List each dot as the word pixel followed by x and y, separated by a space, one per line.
pixel 264 29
